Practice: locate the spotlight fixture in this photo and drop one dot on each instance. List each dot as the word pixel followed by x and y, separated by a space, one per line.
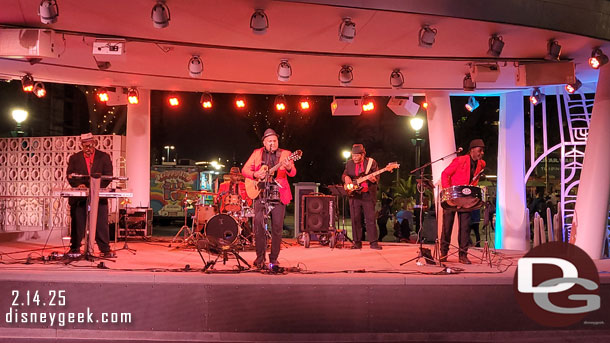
pixel 367 103
pixel 48 11
pixel 160 15
pixel 173 100
pixel 280 103
pixel 496 44
pixel 304 104
pixel 133 96
pixel 597 59
pixel 103 65
pixel 102 95
pixel 347 30
pixel 425 105
pixel 553 51
pixel 240 102
pixel 537 96
pixel 468 84
pixel 284 71
pixel 427 35
pixel 195 66
pixel 259 23
pixel 573 87
pixel 346 76
pixel 39 89
pixel 396 79
pixel 472 104
pixel 27 83
pixel 206 100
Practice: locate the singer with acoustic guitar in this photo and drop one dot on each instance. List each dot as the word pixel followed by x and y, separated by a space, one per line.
pixel 267 171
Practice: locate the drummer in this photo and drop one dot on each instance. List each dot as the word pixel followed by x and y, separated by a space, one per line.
pixel 231 193
pixel 463 170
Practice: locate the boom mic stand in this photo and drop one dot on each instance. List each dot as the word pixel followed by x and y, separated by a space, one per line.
pixel 420 254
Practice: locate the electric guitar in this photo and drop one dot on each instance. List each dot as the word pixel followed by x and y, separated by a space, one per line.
pixel 356 187
pixel 252 187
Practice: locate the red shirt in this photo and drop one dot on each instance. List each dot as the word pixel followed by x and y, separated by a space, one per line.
pixel 458 172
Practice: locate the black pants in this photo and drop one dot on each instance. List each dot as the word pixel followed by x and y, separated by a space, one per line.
pixel 277 225
pixel 463 236
pixel 382 222
pixel 475 227
pixel 78 214
pixel 358 208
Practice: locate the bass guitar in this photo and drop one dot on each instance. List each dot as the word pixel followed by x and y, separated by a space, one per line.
pixel 252 185
pixel 356 185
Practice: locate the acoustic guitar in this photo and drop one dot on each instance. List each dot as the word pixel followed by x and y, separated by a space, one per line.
pixel 252 185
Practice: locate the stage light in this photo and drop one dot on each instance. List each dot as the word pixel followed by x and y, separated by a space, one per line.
pixel 39 89
pixel 259 23
pixel 425 105
pixel 347 30
pixel 304 104
pixel 284 71
pixel 240 102
pixel 195 66
pixel 346 76
pixel 496 44
pixel 553 51
pixel 427 36
pixel 27 83
pixel 133 96
pixel 206 100
pixel 102 95
pixel 537 96
pixel 160 15
pixel 367 103
pixel 573 87
pixel 173 100
pixel 280 103
pixel 468 84
pixel 472 104
pixel 48 11
pixel 396 79
pixel 597 59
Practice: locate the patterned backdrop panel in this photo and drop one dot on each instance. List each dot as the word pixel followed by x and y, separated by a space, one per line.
pixel 31 168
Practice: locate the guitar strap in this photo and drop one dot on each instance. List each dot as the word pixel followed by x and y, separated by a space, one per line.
pixel 368 166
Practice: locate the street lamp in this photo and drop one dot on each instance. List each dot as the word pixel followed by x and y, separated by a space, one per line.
pixel 19 115
pixel 168 148
pixel 346 154
pixel 416 124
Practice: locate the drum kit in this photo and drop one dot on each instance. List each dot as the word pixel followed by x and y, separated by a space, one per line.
pixel 232 227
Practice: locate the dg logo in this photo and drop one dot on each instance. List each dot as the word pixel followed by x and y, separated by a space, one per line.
pixel 557 284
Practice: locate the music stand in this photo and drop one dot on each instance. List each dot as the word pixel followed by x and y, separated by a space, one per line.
pixel 339 191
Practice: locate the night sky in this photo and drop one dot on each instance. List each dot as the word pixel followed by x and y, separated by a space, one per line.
pixel 230 134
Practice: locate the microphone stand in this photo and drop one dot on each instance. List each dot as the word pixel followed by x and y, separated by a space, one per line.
pixel 429 259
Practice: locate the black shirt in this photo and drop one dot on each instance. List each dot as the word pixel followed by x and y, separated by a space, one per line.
pixel 473 168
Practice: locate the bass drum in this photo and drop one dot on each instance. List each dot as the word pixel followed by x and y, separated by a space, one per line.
pixel 223 227
pixel 463 198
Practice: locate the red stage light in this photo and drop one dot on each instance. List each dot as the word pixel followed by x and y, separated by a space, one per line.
pixel 27 83
pixel 102 95
pixel 240 102
pixel 367 104
pixel 597 59
pixel 425 105
pixel 173 100
pixel 304 104
pixel 39 90
pixel 206 100
pixel 280 107
pixel 280 103
pixel 133 96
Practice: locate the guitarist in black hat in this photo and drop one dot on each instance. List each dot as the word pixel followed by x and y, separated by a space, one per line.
pixel 362 201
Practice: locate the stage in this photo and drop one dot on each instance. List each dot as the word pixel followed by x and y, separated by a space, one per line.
pixel 159 293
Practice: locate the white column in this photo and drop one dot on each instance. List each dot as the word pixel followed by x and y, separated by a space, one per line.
pixel 511 217
pixel 594 187
pixel 138 149
pixel 442 143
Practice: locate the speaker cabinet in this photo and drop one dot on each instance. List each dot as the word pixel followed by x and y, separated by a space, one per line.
pixel 318 213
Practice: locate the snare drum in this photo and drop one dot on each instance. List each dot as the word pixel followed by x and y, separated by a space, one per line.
pixel 232 203
pixel 203 213
pixel 222 227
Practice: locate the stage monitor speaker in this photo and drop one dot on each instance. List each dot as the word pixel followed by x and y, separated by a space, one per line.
pixel 318 213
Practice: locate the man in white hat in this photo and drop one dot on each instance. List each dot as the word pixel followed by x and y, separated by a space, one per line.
pixel 89 161
pixel 270 155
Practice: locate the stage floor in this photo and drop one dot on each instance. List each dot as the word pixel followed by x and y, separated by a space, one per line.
pixel 324 295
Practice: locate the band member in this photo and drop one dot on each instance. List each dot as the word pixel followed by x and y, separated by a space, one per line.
pixel 89 161
pixel 363 201
pixel 230 193
pixel 276 195
pixel 461 171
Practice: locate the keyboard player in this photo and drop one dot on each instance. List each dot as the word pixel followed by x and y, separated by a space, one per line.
pixel 89 161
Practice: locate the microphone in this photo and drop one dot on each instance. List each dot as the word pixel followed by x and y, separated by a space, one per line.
pixel 460 149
